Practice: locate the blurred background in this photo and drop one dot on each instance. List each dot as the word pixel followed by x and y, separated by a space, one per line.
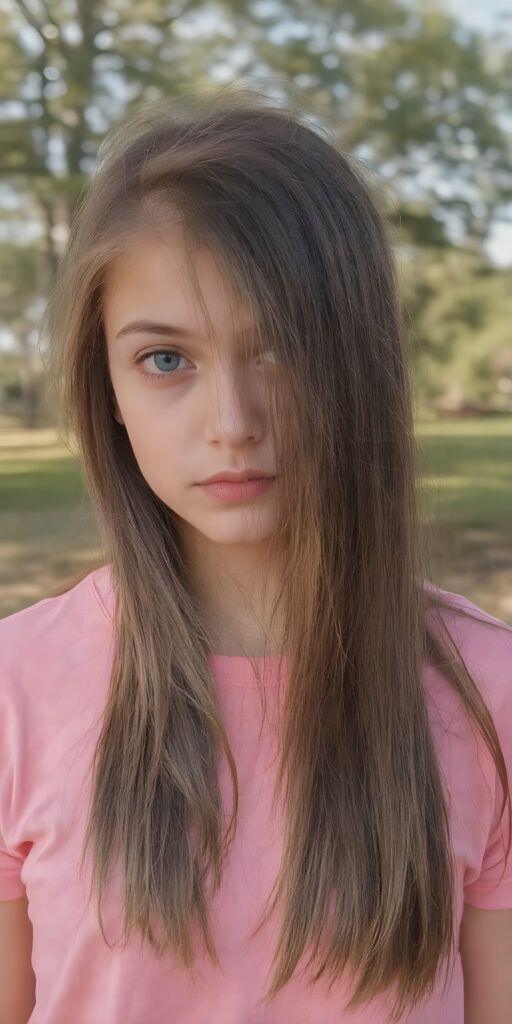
pixel 419 92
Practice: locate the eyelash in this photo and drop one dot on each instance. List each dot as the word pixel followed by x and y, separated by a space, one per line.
pixel 160 352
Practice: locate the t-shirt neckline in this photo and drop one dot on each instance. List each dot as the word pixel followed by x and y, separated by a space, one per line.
pixel 228 668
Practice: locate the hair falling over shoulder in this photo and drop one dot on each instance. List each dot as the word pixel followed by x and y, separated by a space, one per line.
pixel 300 238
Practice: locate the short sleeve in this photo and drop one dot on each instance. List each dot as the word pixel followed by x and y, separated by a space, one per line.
pixel 12 855
pixel 11 885
pixel 492 889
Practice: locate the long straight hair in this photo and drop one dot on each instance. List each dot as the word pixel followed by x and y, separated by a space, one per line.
pixel 298 234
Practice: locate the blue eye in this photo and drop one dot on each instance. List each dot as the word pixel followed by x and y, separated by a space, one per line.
pixel 168 366
pixel 167 357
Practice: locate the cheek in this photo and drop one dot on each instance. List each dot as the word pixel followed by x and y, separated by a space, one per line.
pixel 159 444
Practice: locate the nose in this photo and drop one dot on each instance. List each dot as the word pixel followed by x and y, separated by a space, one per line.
pixel 235 408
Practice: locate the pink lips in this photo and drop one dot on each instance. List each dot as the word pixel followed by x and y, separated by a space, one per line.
pixel 233 490
pixel 236 476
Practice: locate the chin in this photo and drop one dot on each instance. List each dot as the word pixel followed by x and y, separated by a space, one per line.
pixel 244 534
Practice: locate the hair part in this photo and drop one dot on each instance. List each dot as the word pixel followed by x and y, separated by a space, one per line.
pixel 299 237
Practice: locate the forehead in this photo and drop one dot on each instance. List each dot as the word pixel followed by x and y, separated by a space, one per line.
pixel 168 280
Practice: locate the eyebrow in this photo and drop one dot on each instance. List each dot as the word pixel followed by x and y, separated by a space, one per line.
pixel 153 327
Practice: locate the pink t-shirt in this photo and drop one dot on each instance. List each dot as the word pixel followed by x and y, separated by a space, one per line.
pixel 55 665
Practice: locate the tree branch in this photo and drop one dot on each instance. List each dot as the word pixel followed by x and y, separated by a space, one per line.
pixel 32 20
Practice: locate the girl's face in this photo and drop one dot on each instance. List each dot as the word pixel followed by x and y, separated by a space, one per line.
pixel 191 408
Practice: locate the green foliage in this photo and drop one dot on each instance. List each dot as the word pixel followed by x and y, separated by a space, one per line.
pixel 413 95
pixel 459 318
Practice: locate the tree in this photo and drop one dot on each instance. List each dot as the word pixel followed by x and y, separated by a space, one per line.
pixel 415 97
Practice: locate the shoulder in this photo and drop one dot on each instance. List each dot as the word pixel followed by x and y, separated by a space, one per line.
pixel 55 660
pixel 485 646
pixel 55 631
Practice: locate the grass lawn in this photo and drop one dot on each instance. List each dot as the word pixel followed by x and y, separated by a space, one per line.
pixel 48 532
pixel 38 473
pixel 467 466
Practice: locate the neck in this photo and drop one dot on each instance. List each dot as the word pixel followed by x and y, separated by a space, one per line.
pixel 236 586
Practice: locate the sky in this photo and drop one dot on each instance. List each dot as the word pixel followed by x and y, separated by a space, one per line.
pixel 480 14
pixel 484 15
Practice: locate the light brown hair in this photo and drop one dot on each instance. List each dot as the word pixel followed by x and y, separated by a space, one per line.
pixel 298 233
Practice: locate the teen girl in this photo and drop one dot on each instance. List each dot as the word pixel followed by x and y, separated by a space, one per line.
pixel 254 765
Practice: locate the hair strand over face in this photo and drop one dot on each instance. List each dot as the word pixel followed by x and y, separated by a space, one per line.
pixel 299 237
